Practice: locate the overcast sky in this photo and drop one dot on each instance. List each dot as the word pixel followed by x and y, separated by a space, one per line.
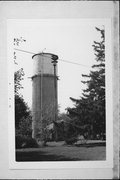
pixel 70 39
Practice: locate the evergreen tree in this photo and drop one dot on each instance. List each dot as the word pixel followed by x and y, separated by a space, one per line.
pixel 90 108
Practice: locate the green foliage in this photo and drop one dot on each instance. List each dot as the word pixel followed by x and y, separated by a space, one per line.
pixel 66 130
pixel 25 127
pixel 90 108
pixel 21 110
pixel 18 76
pixel 71 140
pixel 23 121
pixel 63 116
pixel 25 142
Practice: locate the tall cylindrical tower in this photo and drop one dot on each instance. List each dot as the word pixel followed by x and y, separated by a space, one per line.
pixel 44 94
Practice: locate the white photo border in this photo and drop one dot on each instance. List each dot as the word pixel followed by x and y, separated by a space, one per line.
pixel 108 163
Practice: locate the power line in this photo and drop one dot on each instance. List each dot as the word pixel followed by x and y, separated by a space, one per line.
pixel 74 63
pixel 24 51
pixel 71 62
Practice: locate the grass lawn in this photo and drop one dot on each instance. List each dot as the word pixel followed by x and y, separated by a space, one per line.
pixel 61 152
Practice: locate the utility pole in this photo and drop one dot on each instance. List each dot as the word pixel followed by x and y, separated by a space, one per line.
pixel 54 58
pixel 55 87
pixel 41 98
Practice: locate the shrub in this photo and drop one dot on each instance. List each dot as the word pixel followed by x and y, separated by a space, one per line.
pixel 30 143
pixel 25 142
pixel 70 140
pixel 19 140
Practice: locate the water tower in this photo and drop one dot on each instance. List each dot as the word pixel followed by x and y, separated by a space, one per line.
pixel 44 93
